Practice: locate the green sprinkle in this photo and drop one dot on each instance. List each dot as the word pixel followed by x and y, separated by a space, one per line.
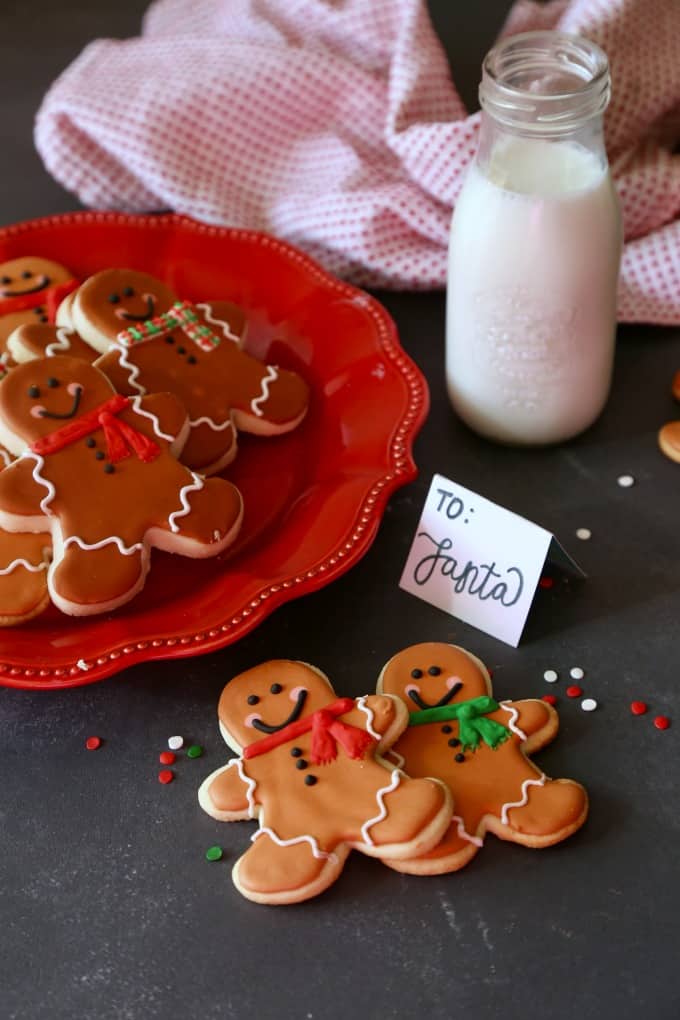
pixel 195 751
pixel 213 853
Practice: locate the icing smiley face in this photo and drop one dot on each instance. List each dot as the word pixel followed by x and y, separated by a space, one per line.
pixel 268 698
pixel 28 275
pixel 431 675
pixel 41 395
pixel 115 299
pixel 30 291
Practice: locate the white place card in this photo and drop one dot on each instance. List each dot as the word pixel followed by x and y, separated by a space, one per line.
pixel 478 561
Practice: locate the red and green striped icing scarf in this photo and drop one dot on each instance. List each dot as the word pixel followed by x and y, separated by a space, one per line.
pixel 473 724
pixel 181 316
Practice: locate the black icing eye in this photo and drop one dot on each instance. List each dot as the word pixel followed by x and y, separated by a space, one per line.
pixel 27 274
pixel 114 298
pixel 128 292
pixel 52 382
pixel 253 699
pixel 33 392
pixel 416 673
pixel 276 688
pixel 5 280
pixel 434 671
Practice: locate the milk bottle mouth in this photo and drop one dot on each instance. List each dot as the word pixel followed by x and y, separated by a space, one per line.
pixel 545 83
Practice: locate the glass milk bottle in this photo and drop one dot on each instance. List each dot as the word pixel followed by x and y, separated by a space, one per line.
pixel 535 247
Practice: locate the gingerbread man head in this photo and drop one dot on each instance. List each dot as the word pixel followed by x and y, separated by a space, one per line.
pixel 269 697
pixel 114 300
pixel 30 291
pixel 432 675
pixel 44 395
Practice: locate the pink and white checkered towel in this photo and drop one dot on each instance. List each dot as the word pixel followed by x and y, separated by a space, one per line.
pixel 335 124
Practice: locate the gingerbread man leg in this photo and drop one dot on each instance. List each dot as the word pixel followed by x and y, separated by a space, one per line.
pixel 551 811
pixel 93 580
pixel 453 852
pixel 207 519
pixel 415 813
pixel 271 873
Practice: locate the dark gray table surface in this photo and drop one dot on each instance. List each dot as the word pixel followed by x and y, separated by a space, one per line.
pixel 109 909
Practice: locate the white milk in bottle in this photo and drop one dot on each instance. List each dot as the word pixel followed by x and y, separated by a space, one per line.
pixel 535 247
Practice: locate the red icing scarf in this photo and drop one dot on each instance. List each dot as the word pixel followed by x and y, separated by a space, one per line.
pixel 327 732
pixel 122 439
pixel 51 297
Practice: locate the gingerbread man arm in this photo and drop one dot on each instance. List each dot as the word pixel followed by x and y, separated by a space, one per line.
pixel 116 373
pixel 267 400
pixel 537 719
pixel 21 495
pixel 382 714
pixel 227 794
pixel 33 340
pixel 167 416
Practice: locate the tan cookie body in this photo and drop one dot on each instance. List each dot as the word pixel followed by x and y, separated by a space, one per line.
pixel 108 494
pixel 24 559
pixel 312 813
pixel 494 788
pixel 223 388
pixel 25 287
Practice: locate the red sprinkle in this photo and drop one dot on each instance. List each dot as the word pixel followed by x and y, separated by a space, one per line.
pixel 92 743
pixel 166 776
pixel 166 758
pixel 574 691
pixel 638 707
pixel 662 722
pixel 550 698
pixel 546 582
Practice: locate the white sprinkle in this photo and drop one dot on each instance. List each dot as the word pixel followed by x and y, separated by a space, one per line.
pixel 174 743
pixel 81 664
pixel 550 676
pixel 625 481
pixel 576 673
pixel 583 533
pixel 589 704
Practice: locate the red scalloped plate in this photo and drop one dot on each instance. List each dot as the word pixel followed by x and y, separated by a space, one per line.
pixel 313 498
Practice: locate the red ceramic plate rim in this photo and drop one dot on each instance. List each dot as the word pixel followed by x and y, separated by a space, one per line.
pixel 98 663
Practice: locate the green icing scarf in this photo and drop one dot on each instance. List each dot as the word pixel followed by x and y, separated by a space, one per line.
pixel 472 722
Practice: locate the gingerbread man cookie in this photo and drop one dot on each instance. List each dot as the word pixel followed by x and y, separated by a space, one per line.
pixel 24 559
pixel 310 769
pixel 669 435
pixel 99 472
pixel 31 289
pixel 35 340
pixel 156 343
pixel 478 747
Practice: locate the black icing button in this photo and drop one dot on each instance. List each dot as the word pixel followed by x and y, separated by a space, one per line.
pixel 301 763
pixel 169 339
pixel 43 318
pixel 109 469
pixel 446 729
pixel 181 350
pixel 99 454
pixel 90 441
pixel 296 751
pixel 310 780
pixel 454 742
pixel 460 757
pixel 191 359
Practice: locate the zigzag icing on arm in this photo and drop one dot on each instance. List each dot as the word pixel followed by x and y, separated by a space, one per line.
pixel 136 403
pixel 126 550
pixel 51 491
pixel 34 568
pixel 204 420
pixel 237 763
pixel 322 855
pixel 222 324
pixel 462 833
pixel 380 800
pixel 270 377
pixel 399 759
pixel 62 343
pixel 132 370
pixel 361 703
pixel 525 797
pixel 185 508
pixel 513 719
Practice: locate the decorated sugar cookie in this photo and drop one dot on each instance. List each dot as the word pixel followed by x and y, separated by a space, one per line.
pixel 157 343
pixel 24 559
pixel 669 435
pixel 99 472
pixel 31 289
pixel 310 768
pixel 479 748
pixel 44 341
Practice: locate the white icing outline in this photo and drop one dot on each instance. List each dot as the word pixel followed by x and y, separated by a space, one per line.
pixel 462 833
pixel 525 796
pixel 185 508
pixel 62 343
pixel 132 370
pixel 195 422
pixel 224 326
pixel 399 759
pixel 250 783
pixel 322 855
pixel 395 779
pixel 126 550
pixel 136 401
pixel 51 491
pixel 507 707
pixel 361 704
pixel 270 377
pixel 34 568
